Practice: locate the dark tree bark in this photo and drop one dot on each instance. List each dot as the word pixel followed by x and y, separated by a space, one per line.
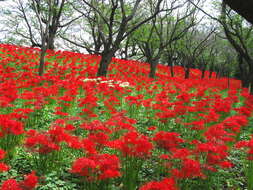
pixel 251 78
pixel 211 72
pixel 106 58
pixel 170 64
pixel 187 73
pixel 228 78
pixel 189 65
pixel 172 74
pixel 153 66
pixel 243 72
pixel 42 61
pixel 203 71
pixel 243 7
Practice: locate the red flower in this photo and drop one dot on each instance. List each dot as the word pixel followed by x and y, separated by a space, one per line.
pixel 9 125
pixel 181 153
pixel 89 146
pixel 165 184
pixel 2 154
pixel 84 166
pixel 40 142
pixel 152 128
pixel 99 166
pixel 3 167
pixel 29 182
pixel 10 184
pixel 190 169
pixel 167 140
pixel 134 144
pixel 226 164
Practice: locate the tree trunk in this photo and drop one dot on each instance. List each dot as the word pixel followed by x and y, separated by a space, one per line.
pixel 51 37
pixel 250 76
pixel 244 75
pixel 187 73
pixel 106 58
pixel 153 64
pixel 228 76
pixel 203 71
pixel 171 71
pixel 170 64
pixel 44 47
pixel 189 64
pixel 251 85
pixel 211 70
pixel 187 69
pixel 42 61
pixel 217 74
pixel 203 74
pixel 51 42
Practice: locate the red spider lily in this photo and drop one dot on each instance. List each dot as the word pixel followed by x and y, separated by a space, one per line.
pixel 134 99
pixel 89 146
pixel 244 111
pixel 197 102
pixel 190 169
pixel 40 142
pixel 167 140
pixel 166 115
pixel 10 184
pixel 119 121
pixel 29 183
pixel 99 138
pixel 2 154
pixel 165 184
pixel 197 125
pixel 97 167
pixel 8 125
pixel 3 166
pixel 73 142
pixel 181 153
pixel 218 133
pixel 248 145
pixel 234 123
pixel 212 116
pixel 223 105
pixel 95 126
pixel 135 144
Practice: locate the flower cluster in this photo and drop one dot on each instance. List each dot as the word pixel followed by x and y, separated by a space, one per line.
pixel 29 183
pixel 97 167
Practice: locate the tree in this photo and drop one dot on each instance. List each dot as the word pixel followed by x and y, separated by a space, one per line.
pixel 38 23
pixel 157 36
pixel 89 26
pixel 117 20
pixel 21 20
pixel 192 46
pixel 239 34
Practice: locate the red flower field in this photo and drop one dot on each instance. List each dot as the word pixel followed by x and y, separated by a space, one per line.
pixel 125 131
